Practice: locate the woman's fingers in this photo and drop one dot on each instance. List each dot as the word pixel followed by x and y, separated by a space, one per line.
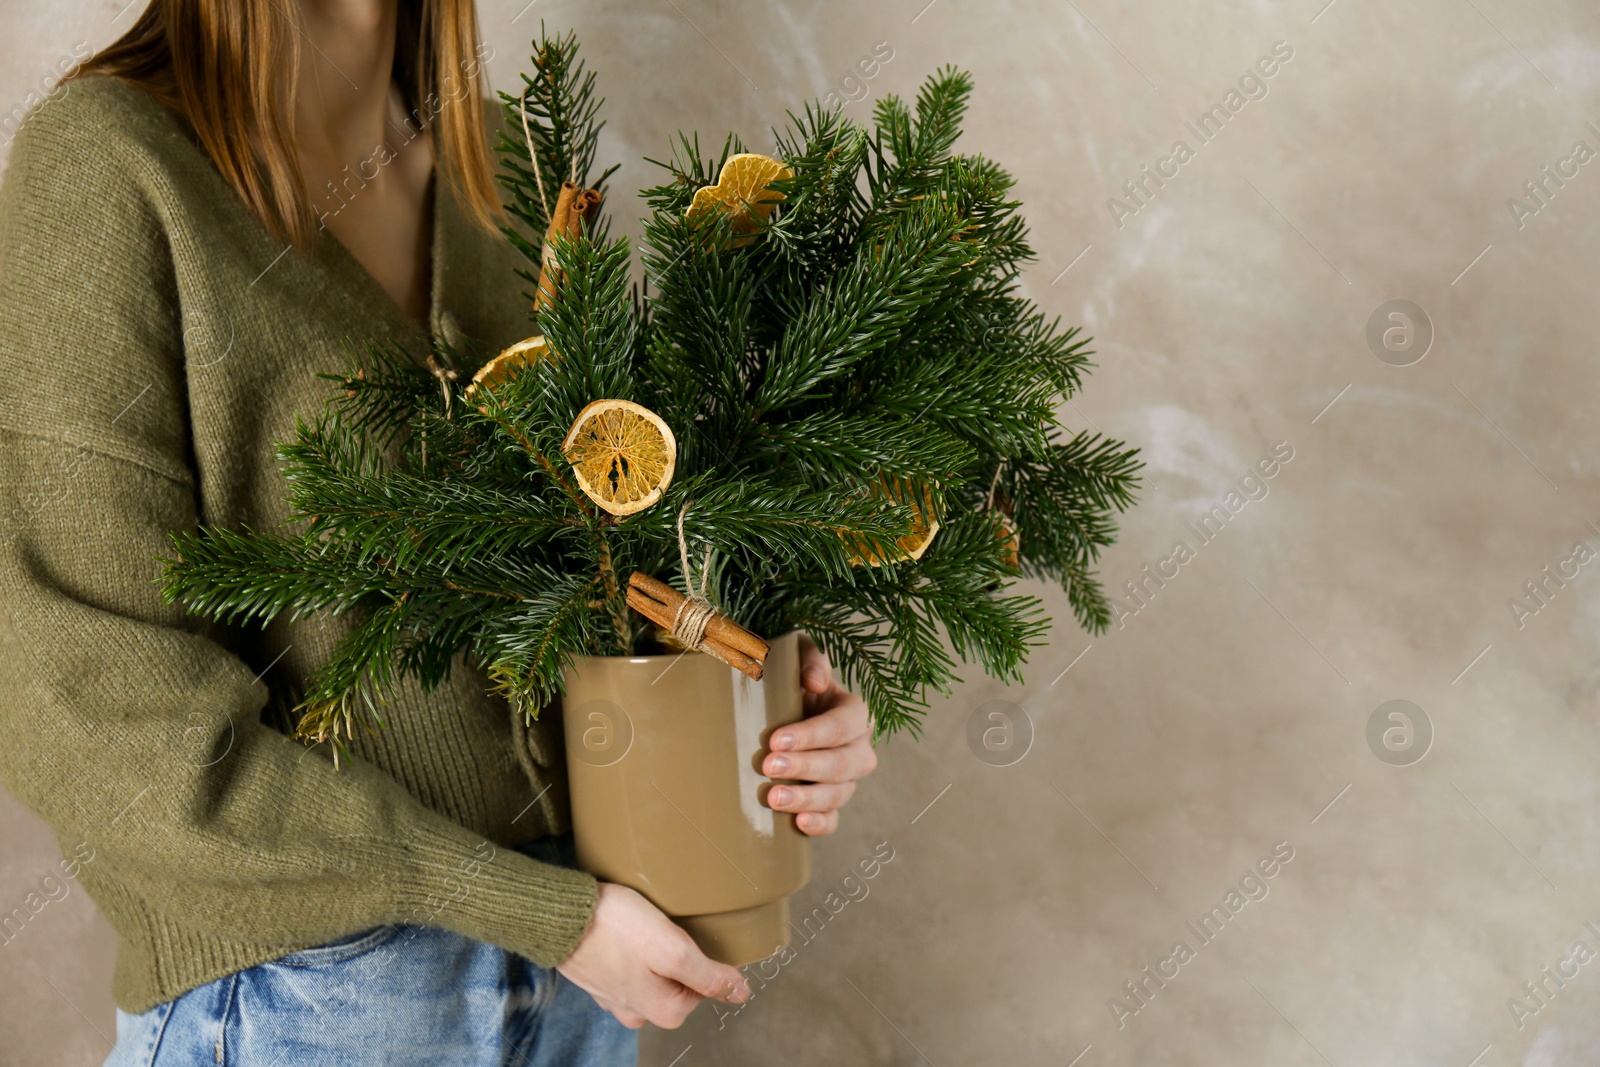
pixel 670 1009
pixel 857 759
pixel 818 798
pixel 844 722
pixel 831 747
pixel 700 975
pixel 817 823
pixel 641 967
pixel 816 673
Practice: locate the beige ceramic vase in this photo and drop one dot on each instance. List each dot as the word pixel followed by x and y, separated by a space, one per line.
pixel 664 761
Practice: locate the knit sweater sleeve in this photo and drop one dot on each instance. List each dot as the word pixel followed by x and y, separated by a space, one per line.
pixel 122 721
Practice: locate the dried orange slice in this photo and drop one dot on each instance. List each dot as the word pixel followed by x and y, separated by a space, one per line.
pixel 924 525
pixel 742 191
pixel 622 453
pixel 519 356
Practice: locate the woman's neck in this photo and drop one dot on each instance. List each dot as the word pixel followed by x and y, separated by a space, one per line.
pixel 368 174
pixel 342 100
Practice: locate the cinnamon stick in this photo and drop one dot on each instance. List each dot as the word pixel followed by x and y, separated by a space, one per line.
pixel 575 210
pixel 661 615
pixel 721 627
pixel 724 638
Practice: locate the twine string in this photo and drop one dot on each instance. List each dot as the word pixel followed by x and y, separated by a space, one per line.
pixel 994 483
pixel 527 135
pixel 690 620
pixel 445 376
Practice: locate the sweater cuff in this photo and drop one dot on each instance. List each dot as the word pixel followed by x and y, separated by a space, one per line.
pixel 490 893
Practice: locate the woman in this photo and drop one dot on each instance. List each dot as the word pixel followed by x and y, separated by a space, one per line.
pixel 189 231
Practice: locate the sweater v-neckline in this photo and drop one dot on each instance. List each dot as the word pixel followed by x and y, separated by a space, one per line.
pixel 339 257
pixel 333 256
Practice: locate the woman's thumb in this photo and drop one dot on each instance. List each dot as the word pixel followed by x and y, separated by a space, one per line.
pixel 709 978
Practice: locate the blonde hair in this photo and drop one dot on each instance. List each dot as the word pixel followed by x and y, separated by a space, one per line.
pixel 225 64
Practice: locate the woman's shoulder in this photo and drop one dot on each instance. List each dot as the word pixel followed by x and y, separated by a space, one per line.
pixel 99 125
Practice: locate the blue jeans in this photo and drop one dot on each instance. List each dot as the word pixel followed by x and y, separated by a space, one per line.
pixel 393 996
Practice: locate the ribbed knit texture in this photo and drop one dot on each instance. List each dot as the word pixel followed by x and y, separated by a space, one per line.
pixel 156 342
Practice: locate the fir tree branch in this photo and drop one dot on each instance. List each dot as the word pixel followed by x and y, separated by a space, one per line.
pixel 873 333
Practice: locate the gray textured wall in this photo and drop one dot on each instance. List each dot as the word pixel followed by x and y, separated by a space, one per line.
pixel 1231 712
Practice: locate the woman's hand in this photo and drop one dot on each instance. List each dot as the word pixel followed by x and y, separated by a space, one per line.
pixel 642 968
pixel 831 746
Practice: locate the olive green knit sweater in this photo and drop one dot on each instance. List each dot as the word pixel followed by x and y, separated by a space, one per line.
pixel 155 342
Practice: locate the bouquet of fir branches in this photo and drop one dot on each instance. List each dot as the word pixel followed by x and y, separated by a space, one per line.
pixel 826 407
